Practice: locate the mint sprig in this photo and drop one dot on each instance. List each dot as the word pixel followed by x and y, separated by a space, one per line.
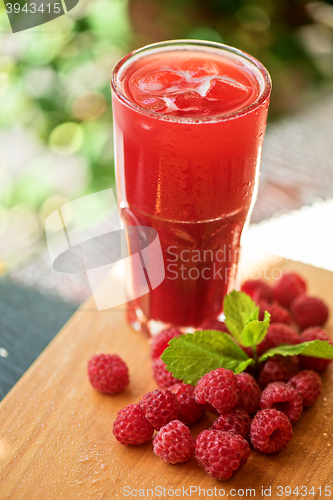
pixel 242 321
pixel 191 356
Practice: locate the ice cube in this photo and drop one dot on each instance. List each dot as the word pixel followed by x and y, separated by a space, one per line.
pixel 226 89
pixel 152 103
pixel 197 67
pixel 160 80
pixel 189 101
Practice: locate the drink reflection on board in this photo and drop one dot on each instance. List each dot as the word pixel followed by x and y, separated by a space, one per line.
pixel 189 122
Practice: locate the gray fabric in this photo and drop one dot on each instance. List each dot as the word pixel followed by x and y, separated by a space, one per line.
pixel 28 322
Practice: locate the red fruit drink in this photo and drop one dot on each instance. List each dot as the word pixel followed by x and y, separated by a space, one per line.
pixel 189 121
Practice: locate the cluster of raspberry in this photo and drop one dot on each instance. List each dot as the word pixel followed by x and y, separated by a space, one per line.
pixel 251 413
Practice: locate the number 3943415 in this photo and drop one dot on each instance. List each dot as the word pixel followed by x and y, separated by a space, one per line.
pixel 16 8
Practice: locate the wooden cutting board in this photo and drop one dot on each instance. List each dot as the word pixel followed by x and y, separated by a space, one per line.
pixel 56 438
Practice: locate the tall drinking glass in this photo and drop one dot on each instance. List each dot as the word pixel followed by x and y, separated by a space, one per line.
pixel 189 123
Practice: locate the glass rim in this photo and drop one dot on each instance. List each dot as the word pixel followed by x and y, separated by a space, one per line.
pixel 263 95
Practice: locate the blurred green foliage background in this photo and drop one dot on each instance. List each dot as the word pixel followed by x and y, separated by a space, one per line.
pixel 56 121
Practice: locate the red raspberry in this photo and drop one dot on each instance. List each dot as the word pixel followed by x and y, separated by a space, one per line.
pixel 131 426
pixel 311 363
pixel 278 334
pixel 159 407
pixel 309 311
pixel 278 313
pixel 308 384
pixel 278 369
pixel 162 376
pixel 174 443
pixel 108 373
pixel 236 420
pixel 270 431
pixel 282 397
pixel 190 411
pixel 287 288
pixel 258 290
pixel 214 324
pixel 219 388
pixel 248 392
pixel 221 453
pixel 161 341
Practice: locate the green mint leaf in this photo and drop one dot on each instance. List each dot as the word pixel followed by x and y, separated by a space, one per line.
pixel 315 348
pixel 191 356
pixel 239 309
pixel 255 331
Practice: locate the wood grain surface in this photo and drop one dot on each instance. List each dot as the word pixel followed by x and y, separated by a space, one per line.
pixel 56 438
